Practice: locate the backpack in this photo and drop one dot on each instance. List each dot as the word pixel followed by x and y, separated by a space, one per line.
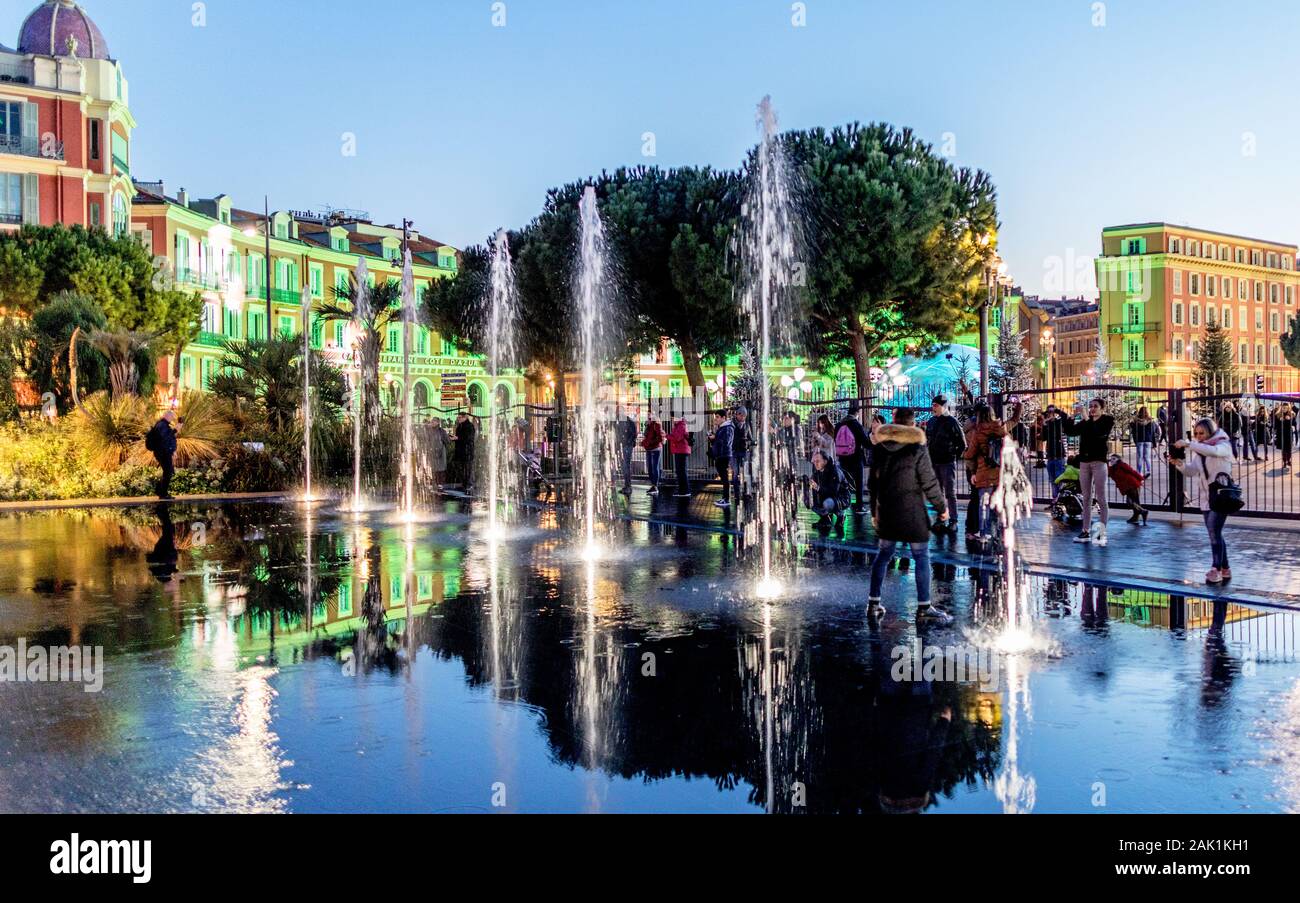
pixel 994 454
pixel 846 444
pixel 151 440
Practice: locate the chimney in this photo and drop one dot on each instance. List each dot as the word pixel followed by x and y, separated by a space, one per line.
pixel 183 198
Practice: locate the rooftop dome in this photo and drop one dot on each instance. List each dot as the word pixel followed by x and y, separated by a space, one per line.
pixel 57 28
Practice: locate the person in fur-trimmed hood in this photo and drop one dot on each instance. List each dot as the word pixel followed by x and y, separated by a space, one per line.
pixel 902 481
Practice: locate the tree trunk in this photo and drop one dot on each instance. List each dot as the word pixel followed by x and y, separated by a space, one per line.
pixel 691 362
pixel 861 360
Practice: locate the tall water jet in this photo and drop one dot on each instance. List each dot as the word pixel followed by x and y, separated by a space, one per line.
pixel 768 260
pixel 591 288
pixel 1013 500
pixel 306 392
pixel 408 393
pixel 501 348
pixel 360 319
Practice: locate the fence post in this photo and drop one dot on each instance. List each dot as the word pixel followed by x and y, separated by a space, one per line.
pixel 1174 432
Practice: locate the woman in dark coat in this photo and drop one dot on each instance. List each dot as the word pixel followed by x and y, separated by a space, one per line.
pixel 902 481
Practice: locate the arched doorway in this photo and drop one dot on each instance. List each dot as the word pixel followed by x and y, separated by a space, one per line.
pixel 422 398
pixel 505 396
pixel 475 395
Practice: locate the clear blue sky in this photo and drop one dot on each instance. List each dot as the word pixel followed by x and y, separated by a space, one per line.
pixel 462 126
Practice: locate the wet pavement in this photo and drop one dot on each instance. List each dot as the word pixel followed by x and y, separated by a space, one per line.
pixel 257 660
pixel 1167 555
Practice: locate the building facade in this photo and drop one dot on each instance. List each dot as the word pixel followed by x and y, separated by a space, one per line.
pixel 65 125
pixel 1162 285
pixel 211 247
pixel 1075 340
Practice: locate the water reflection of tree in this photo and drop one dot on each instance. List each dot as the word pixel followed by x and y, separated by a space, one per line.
pixel 700 717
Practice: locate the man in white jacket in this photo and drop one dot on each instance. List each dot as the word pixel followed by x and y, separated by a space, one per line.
pixel 1209 456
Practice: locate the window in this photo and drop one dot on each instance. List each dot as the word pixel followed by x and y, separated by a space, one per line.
pixel 1256 258
pixel 1290 295
pixel 1178 314
pixel 1259 291
pixel 1259 354
pixel 1243 294
pixel 648 387
pixel 209 369
pixel 1134 283
pixel 256 326
pixel 421 340
pixel 121 219
pixel 121 158
pixel 1211 286
pixel 1241 255
pixel 286 327
pixel 1223 252
pixel 1227 317
pixel 1178 282
pixel 1135 246
pixel 1194 284
pixel 394 341
pixel 1196 315
pixel 1273 296
pixel 1193 249
pixel 1242 319
pixel 1243 356
pixel 1272 321
pixel 1209 314
pixel 1175 246
pixel 1259 321
pixel 94 139
pixel 340 334
pixel 674 388
pixel 1178 348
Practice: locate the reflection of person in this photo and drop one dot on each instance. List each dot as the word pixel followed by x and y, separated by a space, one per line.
pixel 161 440
pixel 162 560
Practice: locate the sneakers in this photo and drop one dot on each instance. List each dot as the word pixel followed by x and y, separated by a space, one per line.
pixel 722 503
pixel 1083 538
pixel 1101 539
pixel 875 611
pixel 653 490
pixel 1225 574
pixel 937 617
pixel 1214 577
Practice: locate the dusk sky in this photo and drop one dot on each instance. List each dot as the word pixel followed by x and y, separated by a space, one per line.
pixel 1146 110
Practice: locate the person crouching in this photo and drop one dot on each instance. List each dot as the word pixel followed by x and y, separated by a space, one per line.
pixel 829 488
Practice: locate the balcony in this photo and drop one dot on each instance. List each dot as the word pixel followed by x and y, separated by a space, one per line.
pixel 31 147
pixel 1134 328
pixel 1138 366
pixel 121 165
pixel 255 291
pixel 11 219
pixel 286 296
pixel 210 339
pixel 197 279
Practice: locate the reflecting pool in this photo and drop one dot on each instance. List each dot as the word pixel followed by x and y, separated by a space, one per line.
pixel 265 658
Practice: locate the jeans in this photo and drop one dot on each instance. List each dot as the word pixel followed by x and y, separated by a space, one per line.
pixel 854 466
pixel 1214 522
pixel 983 498
pixel 947 476
pixel 168 471
pixel 628 451
pixel 920 555
pixel 1092 479
pixel 1249 449
pixel 1236 446
pixel 1055 467
pixel 652 459
pixel 1144 458
pixel 724 474
pixel 683 481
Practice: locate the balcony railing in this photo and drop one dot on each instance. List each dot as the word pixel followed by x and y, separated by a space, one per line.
pixel 121 165
pixel 11 219
pixel 1139 365
pixel 197 278
pixel 21 74
pixel 286 295
pixel 255 291
pixel 1134 328
pixel 31 147
pixel 210 339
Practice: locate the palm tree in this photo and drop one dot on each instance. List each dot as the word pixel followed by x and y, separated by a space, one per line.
pixel 206 428
pixel 121 348
pixel 385 308
pixel 112 428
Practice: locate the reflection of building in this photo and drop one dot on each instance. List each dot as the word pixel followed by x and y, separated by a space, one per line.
pixel 65 125
pixel 1162 285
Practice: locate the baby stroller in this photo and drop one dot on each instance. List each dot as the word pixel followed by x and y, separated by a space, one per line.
pixel 1068 507
pixel 534 479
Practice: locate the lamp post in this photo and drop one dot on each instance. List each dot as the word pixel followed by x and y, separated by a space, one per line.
pixel 266 227
pixel 1049 345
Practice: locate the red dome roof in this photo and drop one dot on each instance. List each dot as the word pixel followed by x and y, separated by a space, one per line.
pixel 53 24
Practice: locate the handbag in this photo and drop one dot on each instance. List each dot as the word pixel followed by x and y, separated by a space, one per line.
pixel 1225 493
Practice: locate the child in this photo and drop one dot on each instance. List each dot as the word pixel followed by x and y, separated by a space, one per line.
pixel 1129 483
